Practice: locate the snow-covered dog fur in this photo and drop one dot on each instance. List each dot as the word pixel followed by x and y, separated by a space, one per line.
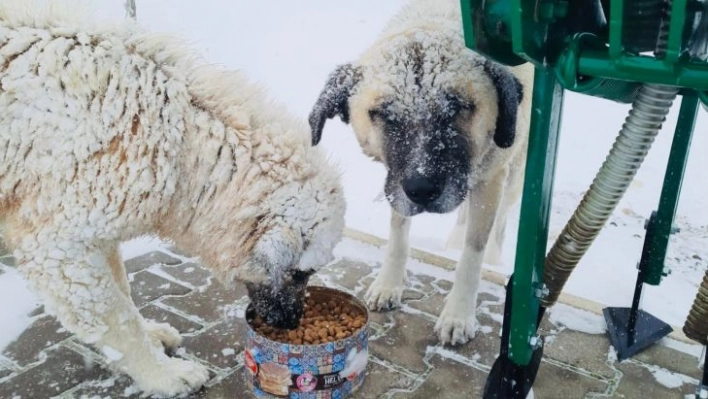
pixel 451 127
pixel 109 133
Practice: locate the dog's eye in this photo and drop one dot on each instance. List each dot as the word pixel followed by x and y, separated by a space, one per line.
pixel 459 105
pixel 467 106
pixel 375 114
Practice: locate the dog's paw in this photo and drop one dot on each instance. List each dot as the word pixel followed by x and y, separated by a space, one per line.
pixel 456 325
pixel 172 377
pixel 164 333
pixel 385 293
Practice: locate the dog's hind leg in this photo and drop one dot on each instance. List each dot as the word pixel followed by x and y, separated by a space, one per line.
pixel 163 332
pixel 457 321
pixel 456 240
pixel 386 290
pixel 75 282
pixel 512 193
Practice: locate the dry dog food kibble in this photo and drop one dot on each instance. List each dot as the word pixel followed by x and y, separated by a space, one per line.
pixel 321 323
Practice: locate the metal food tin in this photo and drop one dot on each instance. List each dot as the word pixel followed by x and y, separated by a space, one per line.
pixel 332 370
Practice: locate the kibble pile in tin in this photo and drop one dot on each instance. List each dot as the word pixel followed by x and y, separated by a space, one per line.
pixel 321 323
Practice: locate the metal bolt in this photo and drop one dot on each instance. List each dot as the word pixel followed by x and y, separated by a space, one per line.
pixel 535 342
pixel 542 292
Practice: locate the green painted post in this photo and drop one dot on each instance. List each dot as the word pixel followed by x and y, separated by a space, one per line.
pixel 671 190
pixel 535 209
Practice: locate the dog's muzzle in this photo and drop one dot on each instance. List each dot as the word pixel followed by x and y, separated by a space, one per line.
pixel 282 306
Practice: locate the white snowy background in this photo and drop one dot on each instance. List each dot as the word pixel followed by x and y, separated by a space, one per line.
pixel 291 46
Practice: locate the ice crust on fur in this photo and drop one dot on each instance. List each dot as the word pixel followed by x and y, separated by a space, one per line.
pixel 110 132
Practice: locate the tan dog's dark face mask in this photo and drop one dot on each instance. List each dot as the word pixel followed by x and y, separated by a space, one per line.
pixel 430 123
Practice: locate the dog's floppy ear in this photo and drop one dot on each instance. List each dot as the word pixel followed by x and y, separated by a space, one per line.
pixel 509 95
pixel 333 99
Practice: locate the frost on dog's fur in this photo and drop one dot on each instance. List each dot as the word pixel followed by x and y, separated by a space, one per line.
pixel 108 133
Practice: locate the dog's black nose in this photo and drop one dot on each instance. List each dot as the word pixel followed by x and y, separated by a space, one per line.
pixel 421 190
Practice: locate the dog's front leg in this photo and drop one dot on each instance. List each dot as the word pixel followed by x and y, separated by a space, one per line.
pixel 75 282
pixel 386 290
pixel 457 322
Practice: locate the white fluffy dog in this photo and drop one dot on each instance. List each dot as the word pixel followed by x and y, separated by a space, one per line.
pixel 451 127
pixel 108 133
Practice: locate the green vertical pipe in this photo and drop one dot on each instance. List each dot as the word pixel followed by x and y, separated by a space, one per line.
pixel 671 190
pixel 532 239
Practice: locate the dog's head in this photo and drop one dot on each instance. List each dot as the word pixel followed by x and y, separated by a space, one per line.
pixel 295 235
pixel 428 108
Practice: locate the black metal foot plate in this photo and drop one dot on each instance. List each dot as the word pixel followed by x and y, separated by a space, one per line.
pixel 647 331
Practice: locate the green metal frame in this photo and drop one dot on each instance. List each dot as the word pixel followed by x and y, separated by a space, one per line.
pixel 658 234
pixel 513 32
pixel 535 212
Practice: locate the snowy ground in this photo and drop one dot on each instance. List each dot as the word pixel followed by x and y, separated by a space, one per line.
pixel 292 46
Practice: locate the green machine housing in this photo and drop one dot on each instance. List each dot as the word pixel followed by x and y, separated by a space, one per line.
pixel 601 48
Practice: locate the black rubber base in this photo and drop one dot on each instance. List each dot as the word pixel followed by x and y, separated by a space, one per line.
pixel 648 330
pixel 506 380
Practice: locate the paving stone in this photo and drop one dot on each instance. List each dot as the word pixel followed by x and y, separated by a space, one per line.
pixel 220 345
pixel 638 382
pixel 184 326
pixel 362 287
pixel 434 303
pixel 346 273
pixel 450 380
pixel 153 258
pixel 445 285
pixel 554 382
pixel 232 386
pixel 179 252
pixel 209 304
pixel 431 305
pixel 41 334
pixel 190 273
pixel 585 351
pixel 383 318
pixel 145 287
pixel 484 348
pixel 421 283
pixel 4 373
pixel 114 386
pixel 380 379
pixel 671 360
pixel 410 332
pixel 37 311
pixel 62 370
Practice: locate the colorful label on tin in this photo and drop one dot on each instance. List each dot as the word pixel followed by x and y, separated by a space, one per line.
pixel 327 371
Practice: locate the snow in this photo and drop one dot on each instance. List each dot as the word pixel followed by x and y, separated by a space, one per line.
pixel 292 47
pixel 139 246
pixel 669 379
pixel 111 354
pixel 16 302
pixel 576 319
